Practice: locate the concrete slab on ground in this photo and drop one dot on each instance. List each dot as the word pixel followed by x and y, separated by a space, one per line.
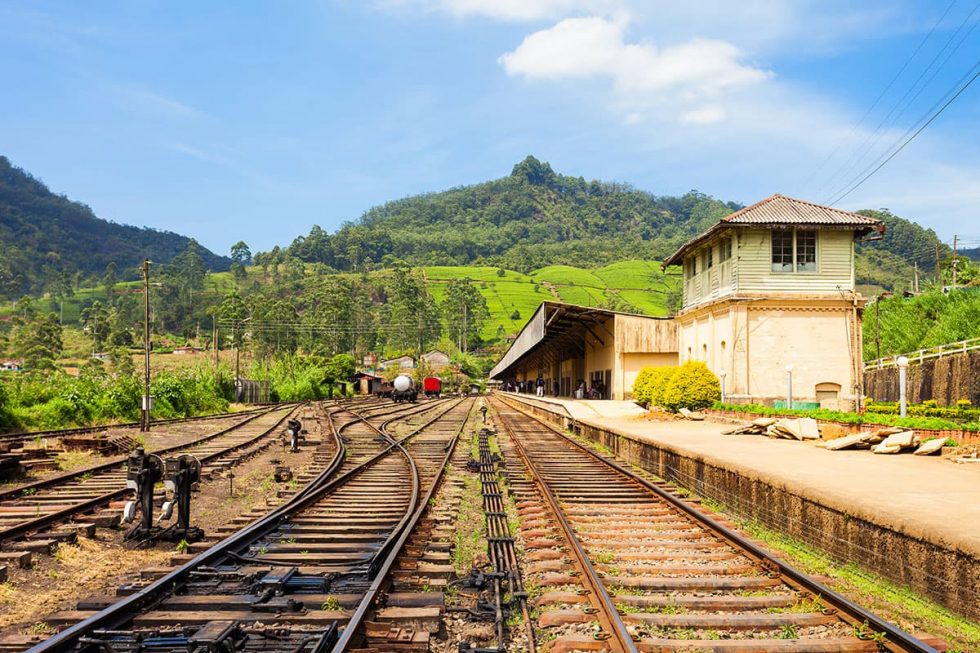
pixel 587 408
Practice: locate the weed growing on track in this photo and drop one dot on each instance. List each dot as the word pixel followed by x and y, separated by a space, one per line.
pixel 471 523
pixel 68 461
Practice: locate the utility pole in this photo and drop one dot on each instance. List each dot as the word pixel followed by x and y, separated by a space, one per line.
pixel 145 412
pixel 214 340
pixel 878 328
pixel 955 261
pixel 915 283
pixel 238 349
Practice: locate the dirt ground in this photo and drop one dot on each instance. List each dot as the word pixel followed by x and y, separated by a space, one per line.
pixel 99 565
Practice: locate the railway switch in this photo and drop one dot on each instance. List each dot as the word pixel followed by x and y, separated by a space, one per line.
pixel 180 475
pixel 143 472
pixel 294 428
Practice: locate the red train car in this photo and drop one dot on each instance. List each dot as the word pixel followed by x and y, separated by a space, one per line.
pixel 432 386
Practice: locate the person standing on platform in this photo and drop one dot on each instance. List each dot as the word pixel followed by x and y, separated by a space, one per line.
pixel 539 385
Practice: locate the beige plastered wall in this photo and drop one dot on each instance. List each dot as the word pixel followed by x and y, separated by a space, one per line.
pixel 753 342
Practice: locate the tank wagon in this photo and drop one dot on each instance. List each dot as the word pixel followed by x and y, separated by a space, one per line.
pixel 404 389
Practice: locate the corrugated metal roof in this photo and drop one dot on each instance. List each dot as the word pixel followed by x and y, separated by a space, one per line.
pixel 779 209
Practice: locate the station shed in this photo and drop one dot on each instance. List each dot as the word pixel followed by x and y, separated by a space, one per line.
pixel 566 344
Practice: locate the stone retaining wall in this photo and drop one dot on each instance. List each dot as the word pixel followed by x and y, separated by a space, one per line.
pixel 949 576
pixel 946 380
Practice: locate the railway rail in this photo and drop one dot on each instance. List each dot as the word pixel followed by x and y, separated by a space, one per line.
pixel 21 436
pixel 282 582
pixel 659 574
pixel 35 507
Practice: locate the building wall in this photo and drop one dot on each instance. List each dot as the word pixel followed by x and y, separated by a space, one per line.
pixel 631 364
pixel 835 264
pixel 753 343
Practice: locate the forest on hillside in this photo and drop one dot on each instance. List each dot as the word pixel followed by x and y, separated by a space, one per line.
pixel 536 217
pixel 49 243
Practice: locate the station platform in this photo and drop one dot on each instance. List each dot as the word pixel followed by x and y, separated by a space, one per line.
pixel 914 519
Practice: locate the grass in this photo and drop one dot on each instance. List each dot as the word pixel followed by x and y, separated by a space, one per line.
pixel 68 461
pixel 896 603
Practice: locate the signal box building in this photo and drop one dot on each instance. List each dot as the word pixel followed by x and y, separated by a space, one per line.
pixel 566 344
pixel 772 286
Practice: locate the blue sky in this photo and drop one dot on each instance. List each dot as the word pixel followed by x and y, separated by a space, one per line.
pixel 257 120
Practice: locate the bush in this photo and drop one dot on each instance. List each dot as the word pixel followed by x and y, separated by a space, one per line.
pixel 692 386
pixel 641 393
pixel 657 385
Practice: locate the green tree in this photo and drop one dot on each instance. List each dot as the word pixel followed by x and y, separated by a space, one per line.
pixel 109 280
pixel 240 253
pixel 338 369
pixel 35 337
pixel 413 315
pixel 238 271
pixel 96 323
pixel 465 312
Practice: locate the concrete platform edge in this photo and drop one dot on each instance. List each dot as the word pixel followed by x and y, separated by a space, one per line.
pixel 930 565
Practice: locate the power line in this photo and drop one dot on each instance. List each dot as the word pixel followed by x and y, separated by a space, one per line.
pixel 871 141
pixel 881 95
pixel 909 139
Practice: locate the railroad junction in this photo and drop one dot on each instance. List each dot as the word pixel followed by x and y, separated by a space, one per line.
pixel 449 524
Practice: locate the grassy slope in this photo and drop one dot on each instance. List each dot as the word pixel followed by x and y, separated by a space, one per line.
pixel 639 282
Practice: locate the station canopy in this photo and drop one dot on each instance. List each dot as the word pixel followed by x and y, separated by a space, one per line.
pixel 555 327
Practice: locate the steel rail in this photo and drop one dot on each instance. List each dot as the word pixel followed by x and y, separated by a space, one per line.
pixel 37 523
pixel 15 492
pixel 613 621
pixel 858 614
pixel 76 430
pixel 118 614
pixel 381 573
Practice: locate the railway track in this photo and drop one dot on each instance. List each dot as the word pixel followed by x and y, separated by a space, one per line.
pixel 283 582
pixel 626 565
pixel 32 509
pixel 24 436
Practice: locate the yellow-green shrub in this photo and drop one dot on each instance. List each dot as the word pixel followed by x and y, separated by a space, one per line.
pixel 658 382
pixel 692 386
pixel 641 394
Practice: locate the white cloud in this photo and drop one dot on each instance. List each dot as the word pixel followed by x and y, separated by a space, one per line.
pixel 643 76
pixel 510 10
pixel 706 115
pixel 144 98
pixel 199 154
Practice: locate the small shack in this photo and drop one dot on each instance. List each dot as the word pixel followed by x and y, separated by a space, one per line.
pixel 367 383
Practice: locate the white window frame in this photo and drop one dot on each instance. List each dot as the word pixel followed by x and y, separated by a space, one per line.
pixel 794 269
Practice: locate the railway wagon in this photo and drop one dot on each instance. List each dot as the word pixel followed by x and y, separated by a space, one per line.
pixel 404 389
pixel 432 386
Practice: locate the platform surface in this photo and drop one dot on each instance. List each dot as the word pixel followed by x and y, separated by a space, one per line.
pixel 926 497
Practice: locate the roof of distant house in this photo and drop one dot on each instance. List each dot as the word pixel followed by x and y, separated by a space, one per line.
pixel 781 211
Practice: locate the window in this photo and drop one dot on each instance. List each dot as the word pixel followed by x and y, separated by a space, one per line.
pixel 692 266
pixel 782 251
pixel 708 254
pixel 806 251
pixel 725 250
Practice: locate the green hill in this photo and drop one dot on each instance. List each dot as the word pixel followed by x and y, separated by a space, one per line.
pixel 47 240
pixel 535 219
